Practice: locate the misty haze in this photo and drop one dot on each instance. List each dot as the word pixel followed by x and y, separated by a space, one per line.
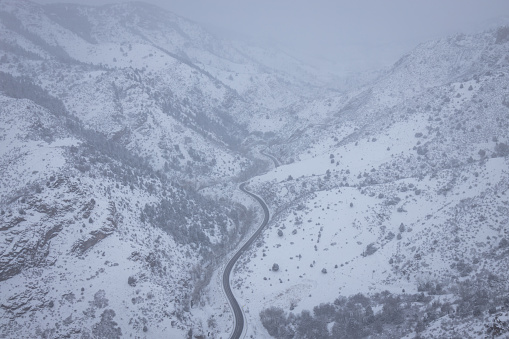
pixel 241 169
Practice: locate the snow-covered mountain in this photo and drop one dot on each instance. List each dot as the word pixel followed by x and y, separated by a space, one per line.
pixel 108 131
pixel 124 130
pixel 402 194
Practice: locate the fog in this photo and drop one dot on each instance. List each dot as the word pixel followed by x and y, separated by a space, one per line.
pixel 354 35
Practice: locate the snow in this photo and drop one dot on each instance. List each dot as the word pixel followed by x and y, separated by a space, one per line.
pixel 394 163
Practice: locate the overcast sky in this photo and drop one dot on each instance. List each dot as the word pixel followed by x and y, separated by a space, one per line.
pixel 365 33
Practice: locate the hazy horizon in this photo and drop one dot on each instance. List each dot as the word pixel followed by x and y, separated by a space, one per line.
pixel 357 35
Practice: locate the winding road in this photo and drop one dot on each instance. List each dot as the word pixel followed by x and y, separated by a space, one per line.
pixel 273 158
pixel 237 311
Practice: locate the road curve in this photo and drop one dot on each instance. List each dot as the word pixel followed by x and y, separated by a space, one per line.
pixel 273 158
pixel 237 311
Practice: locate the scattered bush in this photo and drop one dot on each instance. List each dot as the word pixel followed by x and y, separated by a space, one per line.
pixel 390 236
pixel 502 149
pixel 107 328
pixel 432 288
pixel 497 328
pixel 276 322
pixel 502 35
pixel 370 249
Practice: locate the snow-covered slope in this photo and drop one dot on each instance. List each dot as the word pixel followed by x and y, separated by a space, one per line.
pixel 405 185
pixel 89 230
pixel 125 128
pixel 103 230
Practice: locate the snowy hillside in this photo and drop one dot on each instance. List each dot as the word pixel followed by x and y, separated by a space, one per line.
pixel 84 222
pixel 404 189
pixel 126 129
pixel 101 161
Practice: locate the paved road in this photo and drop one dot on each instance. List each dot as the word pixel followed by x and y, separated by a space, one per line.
pixel 273 158
pixel 237 311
